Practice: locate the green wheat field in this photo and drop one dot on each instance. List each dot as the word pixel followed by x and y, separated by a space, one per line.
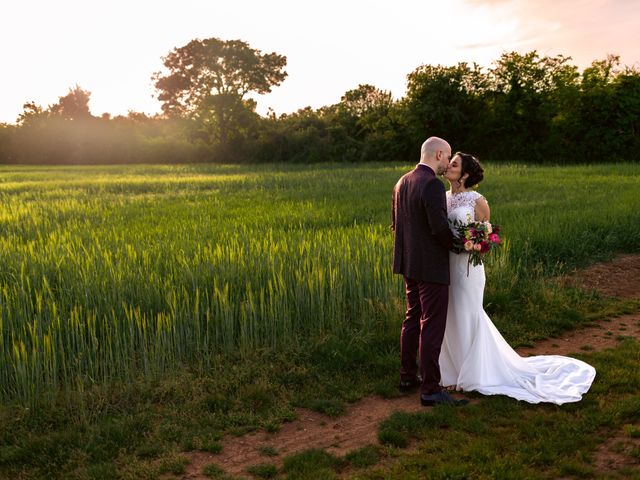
pixel 186 290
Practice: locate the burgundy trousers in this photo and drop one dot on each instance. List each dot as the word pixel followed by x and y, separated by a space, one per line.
pixel 423 331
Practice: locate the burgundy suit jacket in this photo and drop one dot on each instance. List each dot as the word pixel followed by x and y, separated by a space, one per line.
pixel 422 238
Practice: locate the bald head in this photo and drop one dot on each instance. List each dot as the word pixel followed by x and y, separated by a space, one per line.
pixel 431 146
pixel 436 153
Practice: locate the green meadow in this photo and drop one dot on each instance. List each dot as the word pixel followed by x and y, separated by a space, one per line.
pixel 149 310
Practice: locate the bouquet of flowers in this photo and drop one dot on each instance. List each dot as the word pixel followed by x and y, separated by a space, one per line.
pixel 475 238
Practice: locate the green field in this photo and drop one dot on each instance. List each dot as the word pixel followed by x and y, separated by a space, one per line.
pixel 194 287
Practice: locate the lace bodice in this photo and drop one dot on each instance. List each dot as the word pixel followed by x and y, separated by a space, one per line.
pixel 461 206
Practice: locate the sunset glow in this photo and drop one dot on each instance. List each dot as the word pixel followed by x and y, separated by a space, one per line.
pixel 112 49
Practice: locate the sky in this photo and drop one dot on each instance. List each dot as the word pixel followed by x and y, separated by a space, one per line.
pixel 113 48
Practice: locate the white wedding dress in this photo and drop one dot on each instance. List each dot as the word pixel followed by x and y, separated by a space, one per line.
pixel 475 356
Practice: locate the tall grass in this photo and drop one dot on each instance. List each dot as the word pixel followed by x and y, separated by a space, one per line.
pixel 116 273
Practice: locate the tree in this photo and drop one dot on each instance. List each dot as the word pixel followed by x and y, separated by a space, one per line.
pixel 608 120
pixel 214 76
pixel 444 101
pixel 531 97
pixel 365 99
pixel 73 106
pixel 627 88
pixel 370 116
pixel 600 73
pixel 6 135
pixel 31 113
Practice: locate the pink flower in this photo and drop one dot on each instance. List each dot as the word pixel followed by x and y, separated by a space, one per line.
pixel 468 245
pixel 494 238
pixel 477 247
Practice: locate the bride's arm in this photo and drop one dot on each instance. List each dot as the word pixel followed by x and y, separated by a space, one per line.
pixel 482 212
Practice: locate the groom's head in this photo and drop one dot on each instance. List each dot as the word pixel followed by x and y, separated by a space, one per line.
pixel 436 153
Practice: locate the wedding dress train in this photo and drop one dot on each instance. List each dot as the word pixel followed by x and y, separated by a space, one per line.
pixel 475 356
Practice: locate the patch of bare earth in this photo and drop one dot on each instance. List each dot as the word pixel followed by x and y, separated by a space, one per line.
pixel 358 427
pixel 618 278
pixel 603 334
pixel 618 454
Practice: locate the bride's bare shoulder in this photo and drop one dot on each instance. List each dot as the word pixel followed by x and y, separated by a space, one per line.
pixel 482 210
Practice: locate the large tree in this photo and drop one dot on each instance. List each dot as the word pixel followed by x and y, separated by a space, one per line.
pixel 530 104
pixel 608 119
pixel 444 101
pixel 371 117
pixel 31 113
pixel 365 99
pixel 214 76
pixel 73 106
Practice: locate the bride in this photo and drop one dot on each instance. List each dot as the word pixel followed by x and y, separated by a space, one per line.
pixel 474 356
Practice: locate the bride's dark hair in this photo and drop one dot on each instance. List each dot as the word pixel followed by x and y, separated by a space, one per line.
pixel 470 164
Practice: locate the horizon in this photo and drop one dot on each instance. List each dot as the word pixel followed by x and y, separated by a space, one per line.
pixel 329 49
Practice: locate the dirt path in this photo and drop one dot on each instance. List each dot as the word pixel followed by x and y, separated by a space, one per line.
pixel 359 425
pixel 604 334
pixel 356 428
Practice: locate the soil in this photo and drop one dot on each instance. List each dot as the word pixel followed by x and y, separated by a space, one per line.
pixel 617 278
pixel 359 425
pixel 617 454
pixel 356 428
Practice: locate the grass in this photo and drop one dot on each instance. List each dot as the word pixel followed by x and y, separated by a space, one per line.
pixel 364 456
pixel 213 471
pixel 268 451
pixel 498 437
pixel 116 273
pixel 632 431
pixel 174 464
pixel 263 470
pixel 146 310
pixel 312 464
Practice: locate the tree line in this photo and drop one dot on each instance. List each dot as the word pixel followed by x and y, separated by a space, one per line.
pixel 525 108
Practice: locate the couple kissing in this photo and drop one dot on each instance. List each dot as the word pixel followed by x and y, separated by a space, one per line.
pixel 447 341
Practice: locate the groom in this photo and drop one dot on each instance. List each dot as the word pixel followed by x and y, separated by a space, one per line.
pixel 422 240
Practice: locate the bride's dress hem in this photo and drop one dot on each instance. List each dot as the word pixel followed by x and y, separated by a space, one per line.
pixel 476 357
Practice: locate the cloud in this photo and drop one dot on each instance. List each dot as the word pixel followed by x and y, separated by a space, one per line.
pixel 586 30
pixel 474 46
